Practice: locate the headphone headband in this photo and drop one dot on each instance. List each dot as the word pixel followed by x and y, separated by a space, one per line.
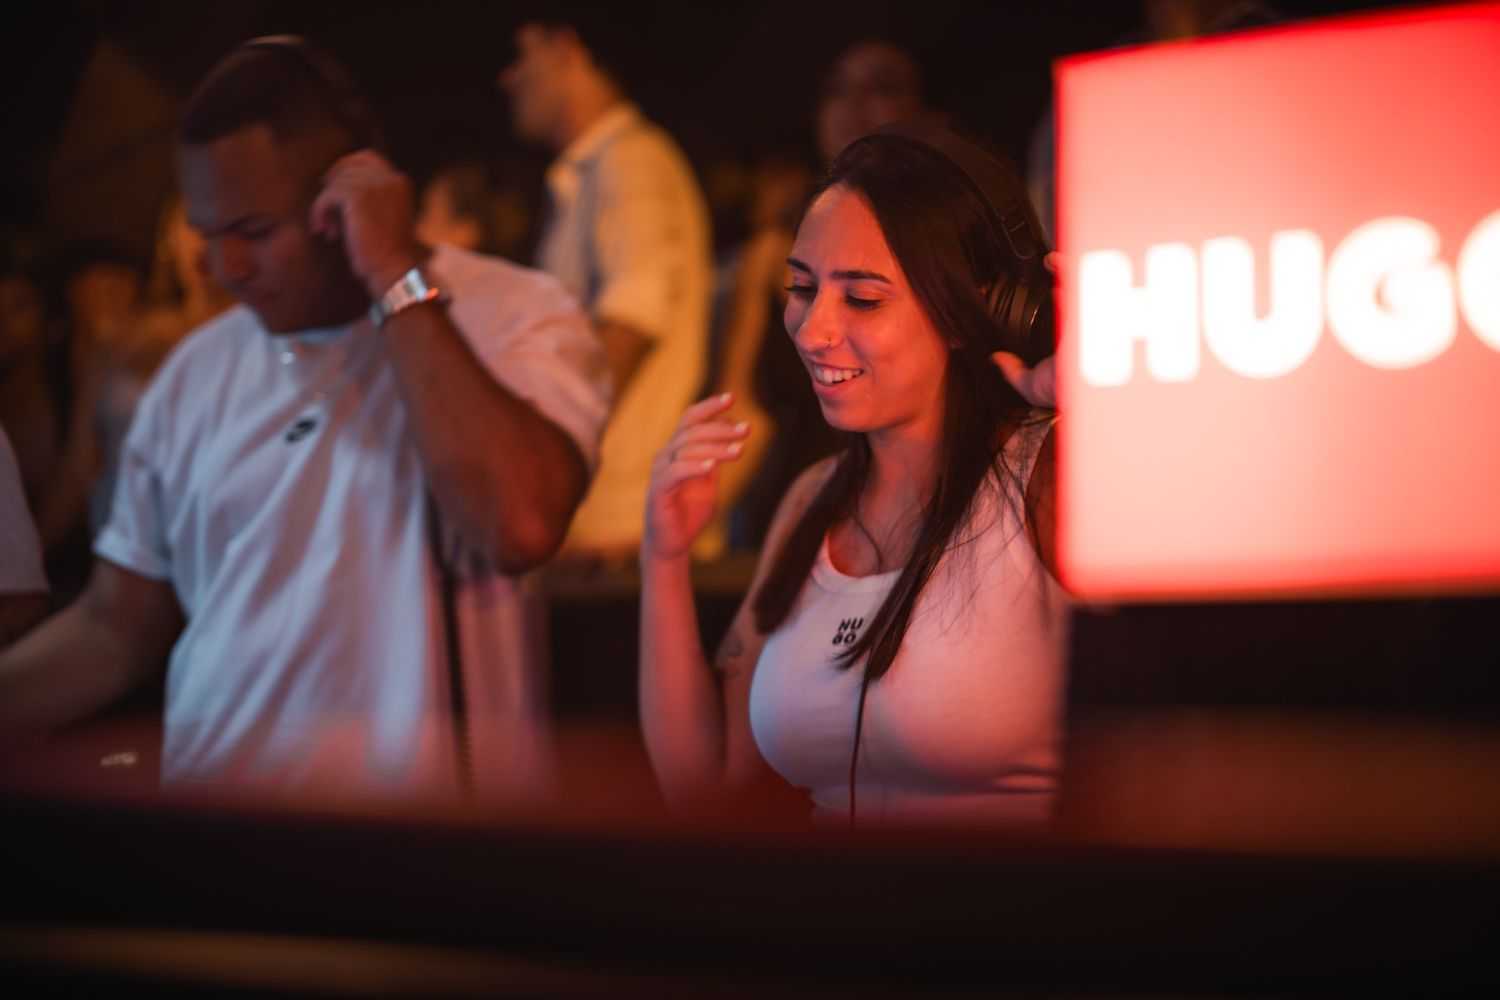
pixel 1021 306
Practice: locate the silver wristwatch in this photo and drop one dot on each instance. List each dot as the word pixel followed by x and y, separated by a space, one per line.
pixel 411 289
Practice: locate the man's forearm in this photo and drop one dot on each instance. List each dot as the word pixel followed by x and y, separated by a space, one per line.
pixel 18 613
pixel 504 475
pixel 64 670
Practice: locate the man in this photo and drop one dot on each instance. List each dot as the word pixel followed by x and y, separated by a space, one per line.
pixel 324 507
pixel 629 235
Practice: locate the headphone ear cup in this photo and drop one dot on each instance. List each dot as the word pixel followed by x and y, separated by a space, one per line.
pixel 997 301
pixel 1041 329
pixel 1022 312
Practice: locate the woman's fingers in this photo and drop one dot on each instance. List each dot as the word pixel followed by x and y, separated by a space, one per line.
pixel 717 430
pixel 678 472
pixel 704 409
pixel 701 442
pixel 718 451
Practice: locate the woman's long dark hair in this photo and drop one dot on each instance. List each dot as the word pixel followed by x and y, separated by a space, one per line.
pixel 949 236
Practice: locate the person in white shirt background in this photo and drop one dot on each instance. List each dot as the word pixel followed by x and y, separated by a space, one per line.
pixel 319 519
pixel 628 233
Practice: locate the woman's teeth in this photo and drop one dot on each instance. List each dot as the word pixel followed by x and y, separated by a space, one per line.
pixel 833 376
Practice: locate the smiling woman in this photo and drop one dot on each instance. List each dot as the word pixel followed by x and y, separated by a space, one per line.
pixel 900 655
pixel 876 359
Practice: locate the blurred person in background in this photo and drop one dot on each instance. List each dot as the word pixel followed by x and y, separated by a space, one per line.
pixel 23 583
pixel 462 205
pixel 871 83
pixel 628 233
pixel 900 655
pixel 180 296
pixel 57 364
pixel 28 394
pixel 180 293
pixel 318 524
pixel 760 369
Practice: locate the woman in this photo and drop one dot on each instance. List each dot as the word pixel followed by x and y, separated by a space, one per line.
pixel 900 654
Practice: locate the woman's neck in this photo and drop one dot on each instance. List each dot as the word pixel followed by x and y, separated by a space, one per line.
pixel 888 511
pixel 903 466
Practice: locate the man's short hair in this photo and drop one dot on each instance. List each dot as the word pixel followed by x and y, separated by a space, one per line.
pixel 282 82
pixel 616 36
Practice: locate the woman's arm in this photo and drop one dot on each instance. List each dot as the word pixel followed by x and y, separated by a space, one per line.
pixel 740 650
pixel 696 719
pixel 1041 502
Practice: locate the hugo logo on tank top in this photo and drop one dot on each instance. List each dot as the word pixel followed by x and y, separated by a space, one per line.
pixel 848 632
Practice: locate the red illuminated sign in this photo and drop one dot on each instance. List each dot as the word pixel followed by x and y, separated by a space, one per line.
pixel 1280 365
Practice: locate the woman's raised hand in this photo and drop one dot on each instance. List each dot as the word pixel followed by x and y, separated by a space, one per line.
pixel 683 490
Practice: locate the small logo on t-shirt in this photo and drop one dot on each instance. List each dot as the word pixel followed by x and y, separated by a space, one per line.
pixel 301 429
pixel 848 631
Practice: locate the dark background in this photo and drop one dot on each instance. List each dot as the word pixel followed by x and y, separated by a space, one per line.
pixel 91 87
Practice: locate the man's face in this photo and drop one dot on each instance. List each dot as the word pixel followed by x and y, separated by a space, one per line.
pixel 248 195
pixel 536 82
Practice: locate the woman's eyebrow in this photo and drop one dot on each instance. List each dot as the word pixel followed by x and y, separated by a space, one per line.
pixel 843 275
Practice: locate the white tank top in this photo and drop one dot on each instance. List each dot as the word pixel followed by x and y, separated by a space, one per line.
pixel 966 725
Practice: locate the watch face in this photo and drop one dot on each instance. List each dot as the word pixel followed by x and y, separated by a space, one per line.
pixel 412 289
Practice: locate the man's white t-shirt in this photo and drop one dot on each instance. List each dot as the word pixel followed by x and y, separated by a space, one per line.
pixel 274 481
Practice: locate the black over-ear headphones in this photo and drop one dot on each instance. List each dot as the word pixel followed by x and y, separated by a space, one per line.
pixel 347 103
pixel 1023 308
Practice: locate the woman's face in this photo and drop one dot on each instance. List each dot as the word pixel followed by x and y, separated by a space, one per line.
pixel 876 360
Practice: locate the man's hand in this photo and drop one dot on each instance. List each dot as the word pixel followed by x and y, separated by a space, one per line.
pixel 367 204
